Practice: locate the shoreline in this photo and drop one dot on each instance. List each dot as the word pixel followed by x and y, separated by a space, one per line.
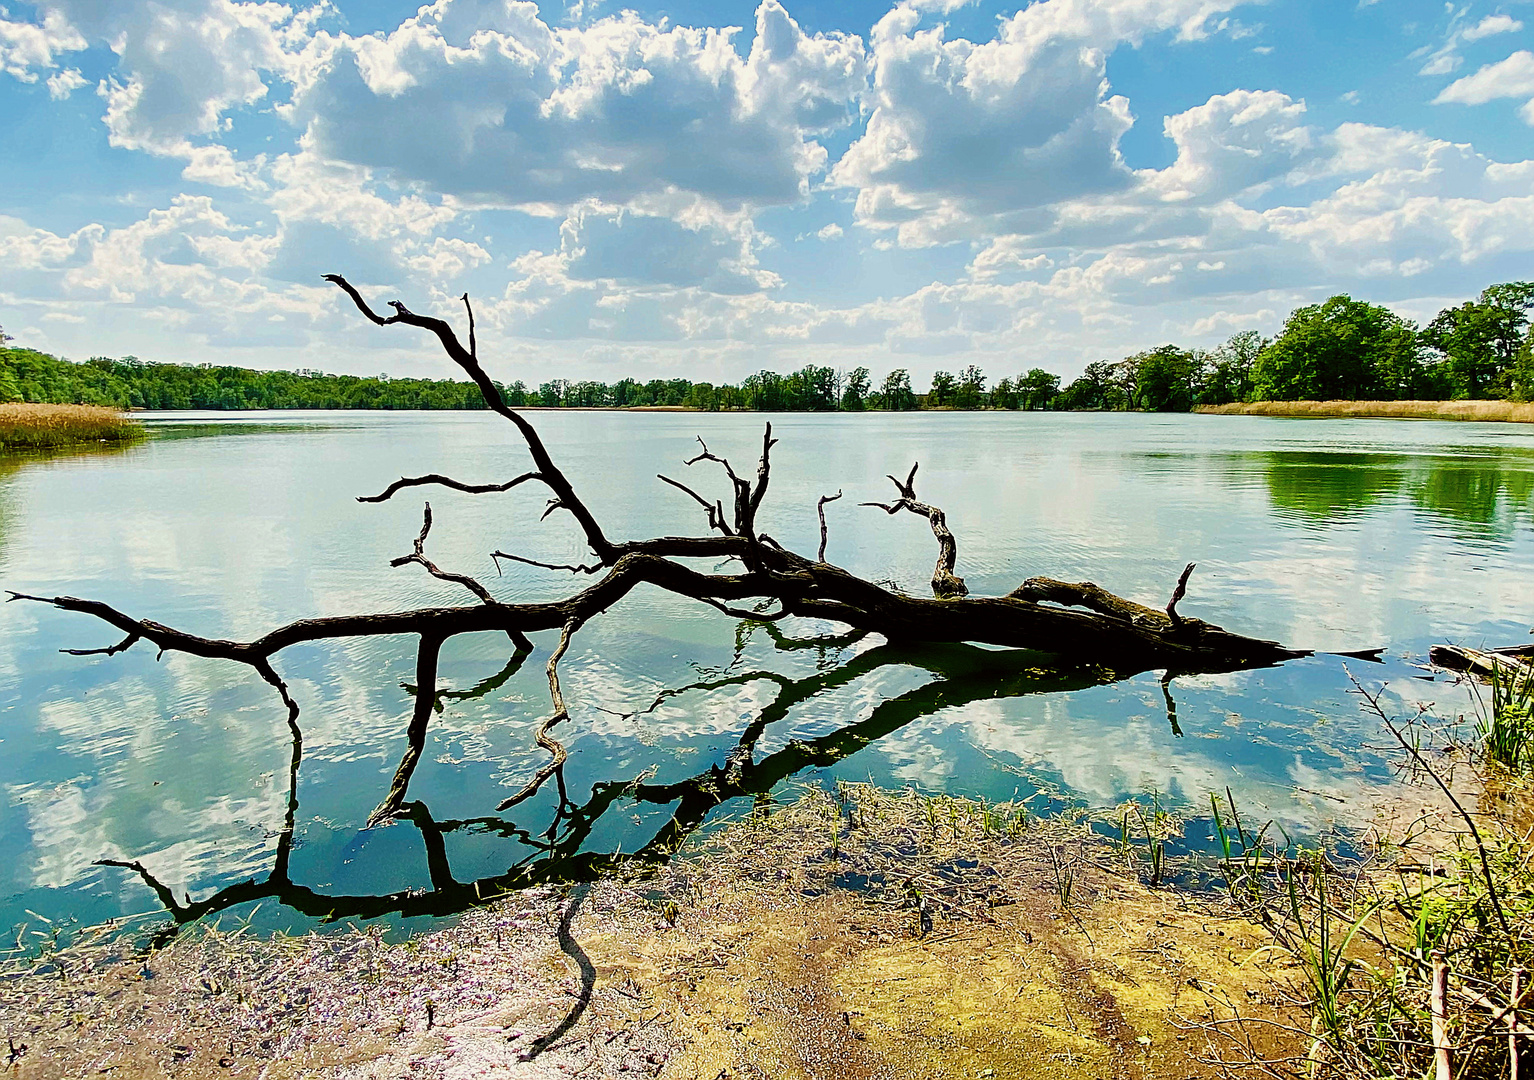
pixel 877 933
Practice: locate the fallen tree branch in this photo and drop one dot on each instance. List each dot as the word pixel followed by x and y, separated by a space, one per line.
pixel 1113 634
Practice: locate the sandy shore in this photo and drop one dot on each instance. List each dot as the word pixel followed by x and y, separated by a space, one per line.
pixel 849 934
pixel 854 934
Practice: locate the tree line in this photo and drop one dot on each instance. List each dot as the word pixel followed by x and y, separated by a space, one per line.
pixel 130 383
pixel 1340 349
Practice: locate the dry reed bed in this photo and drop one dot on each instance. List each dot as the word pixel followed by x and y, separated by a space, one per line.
pixel 1514 411
pixel 30 426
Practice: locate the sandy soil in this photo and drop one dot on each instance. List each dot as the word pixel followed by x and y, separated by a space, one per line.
pixel 893 944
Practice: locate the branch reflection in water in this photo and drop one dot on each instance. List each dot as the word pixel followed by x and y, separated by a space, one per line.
pixel 556 853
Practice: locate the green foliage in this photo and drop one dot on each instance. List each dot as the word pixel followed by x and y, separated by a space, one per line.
pixel 1229 375
pixel 1037 389
pixel 970 393
pixel 1166 379
pixel 855 393
pixel 1097 388
pixel 895 394
pixel 1344 349
pixel 27 375
pixel 945 389
pixel 1479 343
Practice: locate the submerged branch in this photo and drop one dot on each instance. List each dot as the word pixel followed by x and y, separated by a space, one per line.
pixel 415 736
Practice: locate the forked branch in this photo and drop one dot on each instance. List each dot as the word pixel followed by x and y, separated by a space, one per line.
pixel 419 557
pixel 945 583
pixel 747 498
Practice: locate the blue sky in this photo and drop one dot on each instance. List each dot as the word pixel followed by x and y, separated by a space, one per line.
pixel 706 189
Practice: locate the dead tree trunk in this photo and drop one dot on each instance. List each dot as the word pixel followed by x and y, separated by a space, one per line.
pixel 1080 622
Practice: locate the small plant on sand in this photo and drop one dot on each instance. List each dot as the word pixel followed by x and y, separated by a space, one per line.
pixel 1243 859
pixel 1157 827
pixel 1065 876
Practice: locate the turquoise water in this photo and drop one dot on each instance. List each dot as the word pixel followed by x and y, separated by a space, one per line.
pixel 1331 535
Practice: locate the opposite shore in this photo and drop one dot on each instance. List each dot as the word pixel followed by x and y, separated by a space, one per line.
pixel 26 426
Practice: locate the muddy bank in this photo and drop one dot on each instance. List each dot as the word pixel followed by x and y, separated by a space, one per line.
pixel 850 934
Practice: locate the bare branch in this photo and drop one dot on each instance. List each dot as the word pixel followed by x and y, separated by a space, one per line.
pixel 747 499
pixel 820 509
pixel 499 555
pixel 706 455
pixel 945 583
pixel 715 511
pixel 763 470
pixel 448 482
pixel 466 360
pixel 111 650
pixel 473 345
pixel 1177 594
pixel 419 557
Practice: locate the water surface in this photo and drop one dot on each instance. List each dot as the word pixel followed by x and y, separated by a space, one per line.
pixel 1329 534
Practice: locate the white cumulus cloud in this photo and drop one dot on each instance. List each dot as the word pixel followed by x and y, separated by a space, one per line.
pixel 1509 78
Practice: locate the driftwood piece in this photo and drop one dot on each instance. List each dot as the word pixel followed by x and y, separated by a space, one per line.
pixel 1112 633
pixel 1516 661
pixel 1441 1064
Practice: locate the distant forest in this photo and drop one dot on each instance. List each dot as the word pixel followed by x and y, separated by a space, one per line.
pixel 1341 349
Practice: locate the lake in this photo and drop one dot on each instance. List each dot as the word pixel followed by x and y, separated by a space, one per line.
pixel 1329 535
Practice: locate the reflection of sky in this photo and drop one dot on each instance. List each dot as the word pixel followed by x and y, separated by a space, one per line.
pixel 1335 534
